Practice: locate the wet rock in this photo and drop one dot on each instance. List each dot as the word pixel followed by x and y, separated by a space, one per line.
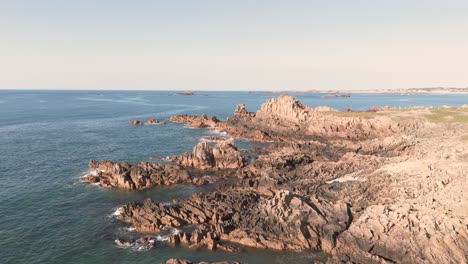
pixel 136 123
pixel 152 122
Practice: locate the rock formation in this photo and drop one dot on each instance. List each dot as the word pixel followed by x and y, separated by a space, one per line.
pixel 285 118
pixel 152 122
pixel 223 156
pixel 136 123
pixel 280 221
pixel 213 138
pixel 363 187
pixel 136 176
pixel 194 121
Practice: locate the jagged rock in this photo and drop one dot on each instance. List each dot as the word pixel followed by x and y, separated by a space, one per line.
pixel 282 221
pixel 404 234
pixel 137 176
pixel 241 111
pixel 363 187
pixel 285 118
pixel 194 121
pixel 223 156
pixel 286 108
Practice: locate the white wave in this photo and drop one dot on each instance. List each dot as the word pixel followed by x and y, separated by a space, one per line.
pixel 118 212
pixel 141 244
pixel 170 231
pixel 162 238
pixel 91 172
pixel 175 231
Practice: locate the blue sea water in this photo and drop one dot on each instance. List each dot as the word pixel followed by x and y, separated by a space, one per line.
pixel 48 137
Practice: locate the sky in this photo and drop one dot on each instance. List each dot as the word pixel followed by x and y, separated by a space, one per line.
pixel 233 45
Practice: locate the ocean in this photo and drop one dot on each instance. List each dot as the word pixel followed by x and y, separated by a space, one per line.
pixel 48 137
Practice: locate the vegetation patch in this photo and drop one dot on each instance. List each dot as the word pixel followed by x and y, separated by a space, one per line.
pixel 448 115
pixel 366 115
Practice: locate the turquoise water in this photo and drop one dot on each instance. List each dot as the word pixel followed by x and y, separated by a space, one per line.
pixel 47 138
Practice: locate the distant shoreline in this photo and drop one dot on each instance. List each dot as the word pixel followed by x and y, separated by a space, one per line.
pixel 337 93
pixel 441 91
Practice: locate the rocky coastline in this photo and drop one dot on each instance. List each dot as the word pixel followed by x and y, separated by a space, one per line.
pixel 381 186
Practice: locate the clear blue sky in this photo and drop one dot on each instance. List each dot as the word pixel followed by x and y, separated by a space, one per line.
pixel 233 45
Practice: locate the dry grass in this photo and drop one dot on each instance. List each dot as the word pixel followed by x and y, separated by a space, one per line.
pixel 448 115
pixel 366 115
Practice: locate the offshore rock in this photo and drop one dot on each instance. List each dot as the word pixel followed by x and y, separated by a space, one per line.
pixel 153 122
pixel 194 121
pixel 136 123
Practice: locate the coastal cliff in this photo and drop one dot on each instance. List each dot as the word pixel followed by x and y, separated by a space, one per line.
pixel 383 186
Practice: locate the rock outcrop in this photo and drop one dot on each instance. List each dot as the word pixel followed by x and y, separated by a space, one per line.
pixel 404 234
pixel 222 156
pixel 280 221
pixel 153 122
pixel 136 123
pixel 377 186
pixel 241 111
pixel 285 118
pixel 135 176
pixel 194 121
pixel 213 138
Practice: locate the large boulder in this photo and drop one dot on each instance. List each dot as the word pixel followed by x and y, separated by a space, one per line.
pixel 224 155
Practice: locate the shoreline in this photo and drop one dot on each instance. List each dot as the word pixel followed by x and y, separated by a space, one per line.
pixel 333 171
pixel 409 91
